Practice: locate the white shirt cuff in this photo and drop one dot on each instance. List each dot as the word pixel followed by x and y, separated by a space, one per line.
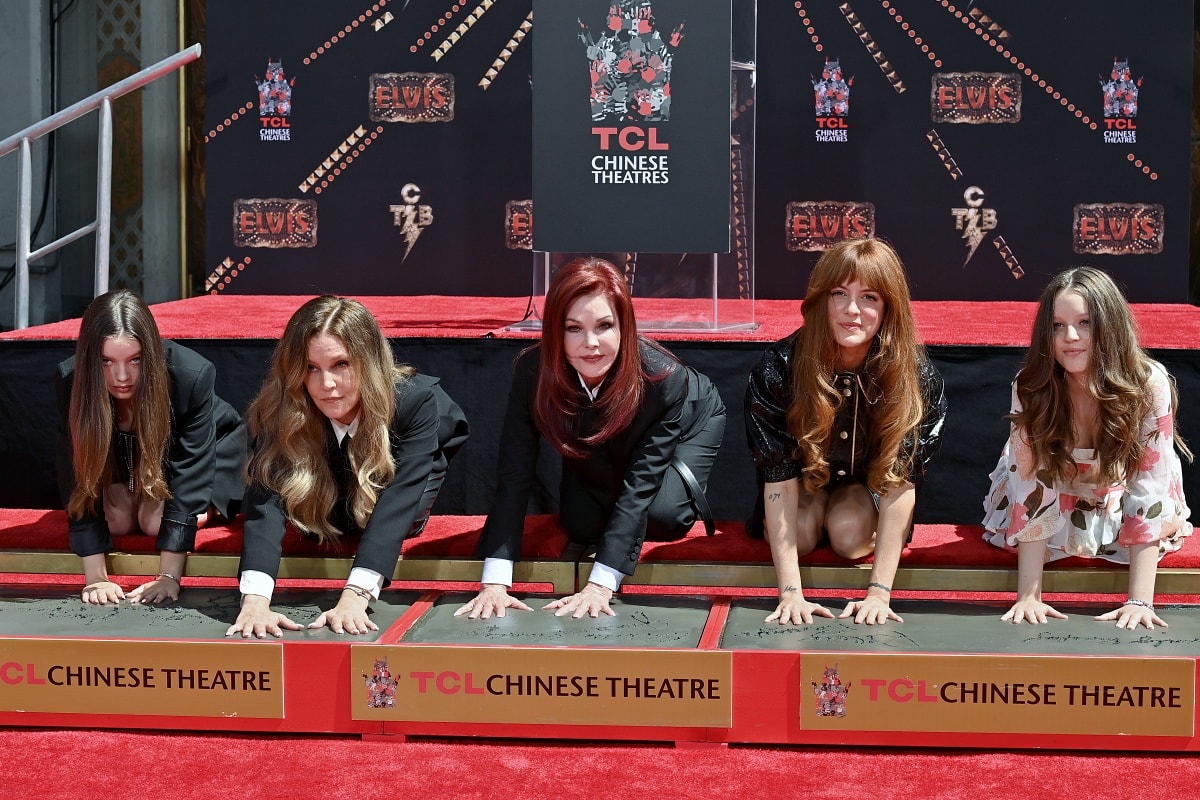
pixel 607 577
pixel 367 579
pixel 255 582
pixel 497 570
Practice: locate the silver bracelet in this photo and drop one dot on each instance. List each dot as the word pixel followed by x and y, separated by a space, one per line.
pixel 167 575
pixel 1129 601
pixel 363 593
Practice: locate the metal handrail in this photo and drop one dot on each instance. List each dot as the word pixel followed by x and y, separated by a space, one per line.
pixel 101 226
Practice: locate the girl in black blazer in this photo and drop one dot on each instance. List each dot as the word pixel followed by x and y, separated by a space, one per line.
pixel 637 430
pixel 345 442
pixel 144 445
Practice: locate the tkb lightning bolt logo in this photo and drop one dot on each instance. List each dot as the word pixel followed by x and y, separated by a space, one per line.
pixel 411 217
pixel 974 221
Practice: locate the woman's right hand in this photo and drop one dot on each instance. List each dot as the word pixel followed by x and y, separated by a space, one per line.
pixel 493 598
pixel 1031 610
pixel 257 619
pixel 102 592
pixel 794 609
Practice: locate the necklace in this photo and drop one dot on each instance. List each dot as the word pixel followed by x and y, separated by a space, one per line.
pixel 127 442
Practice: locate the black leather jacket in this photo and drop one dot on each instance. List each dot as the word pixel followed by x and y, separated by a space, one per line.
pixel 769 394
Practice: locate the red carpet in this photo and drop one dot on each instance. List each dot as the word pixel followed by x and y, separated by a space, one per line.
pixel 456 537
pixel 1007 324
pixel 89 764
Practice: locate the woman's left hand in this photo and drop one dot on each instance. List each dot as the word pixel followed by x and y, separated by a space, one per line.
pixel 871 610
pixel 591 600
pixel 348 616
pixel 1131 616
pixel 160 590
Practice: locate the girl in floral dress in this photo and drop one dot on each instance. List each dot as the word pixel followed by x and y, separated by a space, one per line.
pixel 1091 467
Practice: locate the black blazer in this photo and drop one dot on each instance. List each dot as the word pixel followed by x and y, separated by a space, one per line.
pixel 204 464
pixel 427 430
pixel 622 475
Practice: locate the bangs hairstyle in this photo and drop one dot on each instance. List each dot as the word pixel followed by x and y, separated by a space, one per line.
pixel 118 314
pixel 1117 377
pixel 556 407
pixel 891 370
pixel 289 431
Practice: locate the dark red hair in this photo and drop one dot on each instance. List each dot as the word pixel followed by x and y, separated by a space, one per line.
pixel 556 406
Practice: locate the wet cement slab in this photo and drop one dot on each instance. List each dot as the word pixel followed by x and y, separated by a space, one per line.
pixel 200 613
pixel 640 622
pixel 946 627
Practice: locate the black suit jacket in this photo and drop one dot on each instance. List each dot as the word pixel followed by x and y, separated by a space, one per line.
pixel 622 475
pixel 427 430
pixel 204 464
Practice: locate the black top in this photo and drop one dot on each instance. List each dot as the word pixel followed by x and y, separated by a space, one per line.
pixel 623 474
pixel 427 430
pixel 204 461
pixel 769 394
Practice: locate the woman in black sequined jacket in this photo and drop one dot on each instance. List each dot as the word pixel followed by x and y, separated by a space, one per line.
pixel 843 417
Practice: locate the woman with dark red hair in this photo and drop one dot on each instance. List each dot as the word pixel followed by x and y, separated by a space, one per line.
pixel 637 431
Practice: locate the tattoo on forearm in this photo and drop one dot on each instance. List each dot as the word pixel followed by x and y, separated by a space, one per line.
pixel 788 589
pixel 773 496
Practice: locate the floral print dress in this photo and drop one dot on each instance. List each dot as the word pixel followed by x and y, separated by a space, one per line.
pixel 1085 518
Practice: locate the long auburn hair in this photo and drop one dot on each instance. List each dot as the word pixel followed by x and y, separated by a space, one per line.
pixel 114 315
pixel 556 406
pixel 891 370
pixel 288 430
pixel 1117 377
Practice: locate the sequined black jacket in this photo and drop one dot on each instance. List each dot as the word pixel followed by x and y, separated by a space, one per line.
pixel 769 394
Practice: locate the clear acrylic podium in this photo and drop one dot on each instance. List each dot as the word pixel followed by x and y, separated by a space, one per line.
pixel 693 291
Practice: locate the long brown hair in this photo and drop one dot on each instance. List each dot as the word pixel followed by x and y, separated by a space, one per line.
pixel 114 315
pixel 288 430
pixel 891 368
pixel 556 407
pixel 1117 377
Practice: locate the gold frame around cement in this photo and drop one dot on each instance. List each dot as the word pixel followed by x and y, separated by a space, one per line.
pixel 561 575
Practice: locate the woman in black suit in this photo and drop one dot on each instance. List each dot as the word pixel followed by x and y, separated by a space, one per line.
pixel 144 445
pixel 637 431
pixel 345 442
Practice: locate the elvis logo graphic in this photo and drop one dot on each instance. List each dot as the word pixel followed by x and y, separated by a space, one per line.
pixel 816 226
pixel 274 104
pixel 1118 229
pixel 974 221
pixel 832 102
pixel 976 98
pixel 410 216
pixel 1120 93
pixel 518 224
pixel 630 65
pixel 831 693
pixel 411 97
pixel 274 222
pixel 381 686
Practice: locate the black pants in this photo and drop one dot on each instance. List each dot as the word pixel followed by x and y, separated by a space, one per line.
pixel 673 510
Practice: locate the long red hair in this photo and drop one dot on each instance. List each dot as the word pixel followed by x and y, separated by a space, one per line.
pixel 556 404
pixel 893 366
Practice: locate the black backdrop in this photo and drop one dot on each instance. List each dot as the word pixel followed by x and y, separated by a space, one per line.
pixel 1033 173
